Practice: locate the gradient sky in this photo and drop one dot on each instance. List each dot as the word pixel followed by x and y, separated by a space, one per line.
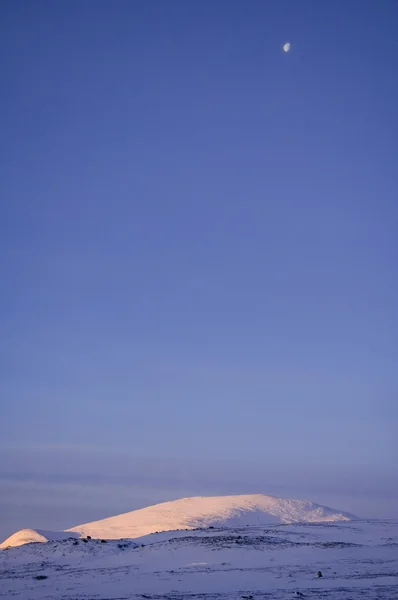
pixel 198 239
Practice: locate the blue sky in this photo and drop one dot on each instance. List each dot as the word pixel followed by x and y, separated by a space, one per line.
pixel 198 236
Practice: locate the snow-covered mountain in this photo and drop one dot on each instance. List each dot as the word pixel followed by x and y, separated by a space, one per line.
pixel 192 513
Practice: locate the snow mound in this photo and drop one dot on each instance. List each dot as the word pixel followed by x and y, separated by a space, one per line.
pixel 221 511
pixel 29 536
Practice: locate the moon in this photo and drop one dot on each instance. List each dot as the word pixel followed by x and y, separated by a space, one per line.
pixel 286 47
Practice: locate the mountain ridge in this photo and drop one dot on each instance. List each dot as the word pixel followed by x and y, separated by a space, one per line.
pixel 192 513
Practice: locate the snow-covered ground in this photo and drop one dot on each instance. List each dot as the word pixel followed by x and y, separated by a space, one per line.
pixel 358 561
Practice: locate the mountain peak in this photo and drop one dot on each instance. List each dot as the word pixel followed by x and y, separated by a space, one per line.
pixel 206 511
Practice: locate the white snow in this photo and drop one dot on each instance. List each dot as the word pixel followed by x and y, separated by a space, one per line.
pixel 358 561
